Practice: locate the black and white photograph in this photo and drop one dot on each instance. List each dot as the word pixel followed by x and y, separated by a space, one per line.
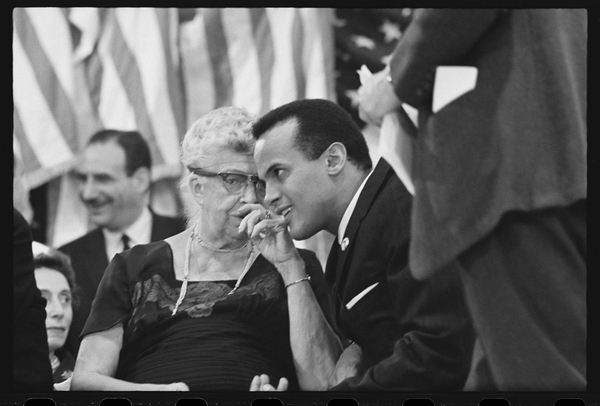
pixel 335 203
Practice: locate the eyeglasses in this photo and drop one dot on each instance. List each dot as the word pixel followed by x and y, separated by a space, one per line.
pixel 235 182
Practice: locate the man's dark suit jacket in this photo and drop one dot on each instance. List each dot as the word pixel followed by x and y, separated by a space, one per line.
pixel 31 366
pixel 414 335
pixel 88 257
pixel 518 141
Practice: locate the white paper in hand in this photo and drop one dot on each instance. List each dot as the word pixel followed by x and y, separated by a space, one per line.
pixel 451 82
pixel 395 144
pixel 397 148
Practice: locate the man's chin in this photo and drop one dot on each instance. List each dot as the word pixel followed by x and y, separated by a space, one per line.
pixel 99 220
pixel 299 234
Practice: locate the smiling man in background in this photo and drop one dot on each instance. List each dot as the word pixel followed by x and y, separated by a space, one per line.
pixel 113 179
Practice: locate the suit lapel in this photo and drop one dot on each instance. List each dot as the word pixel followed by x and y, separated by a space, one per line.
pixel 361 209
pixel 165 227
pixel 96 248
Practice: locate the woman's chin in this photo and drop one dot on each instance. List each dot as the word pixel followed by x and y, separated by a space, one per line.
pixel 55 343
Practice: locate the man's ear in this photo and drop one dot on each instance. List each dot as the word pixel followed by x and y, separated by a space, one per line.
pixel 335 158
pixel 142 179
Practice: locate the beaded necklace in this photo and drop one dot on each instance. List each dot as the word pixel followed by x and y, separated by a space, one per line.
pixel 186 268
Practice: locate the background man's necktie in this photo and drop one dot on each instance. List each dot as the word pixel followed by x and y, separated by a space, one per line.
pixel 125 241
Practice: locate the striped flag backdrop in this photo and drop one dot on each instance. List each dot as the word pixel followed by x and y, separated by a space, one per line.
pixel 258 59
pixel 77 70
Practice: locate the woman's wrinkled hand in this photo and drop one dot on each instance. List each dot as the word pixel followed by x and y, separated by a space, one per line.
pixel 269 233
pixel 261 384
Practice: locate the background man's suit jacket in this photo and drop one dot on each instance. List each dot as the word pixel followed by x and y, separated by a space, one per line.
pixel 88 257
pixel 516 142
pixel 414 335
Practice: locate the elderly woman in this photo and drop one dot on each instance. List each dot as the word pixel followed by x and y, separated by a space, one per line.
pixel 207 309
pixel 55 278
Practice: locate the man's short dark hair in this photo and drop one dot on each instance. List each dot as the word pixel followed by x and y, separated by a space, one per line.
pixel 320 123
pixel 137 152
pixel 60 262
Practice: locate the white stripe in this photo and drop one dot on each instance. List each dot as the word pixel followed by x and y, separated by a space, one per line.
pixel 243 59
pixel 314 52
pixel 53 33
pixel 142 33
pixel 197 69
pixel 283 82
pixel 114 108
pixel 43 134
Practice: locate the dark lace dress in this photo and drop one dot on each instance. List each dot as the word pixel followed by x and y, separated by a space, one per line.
pixel 216 341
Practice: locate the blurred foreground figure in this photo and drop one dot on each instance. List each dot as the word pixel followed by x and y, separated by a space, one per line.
pixel 31 366
pixel 500 181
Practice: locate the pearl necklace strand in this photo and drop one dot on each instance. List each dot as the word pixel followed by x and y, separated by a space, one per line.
pixel 212 247
pixel 186 266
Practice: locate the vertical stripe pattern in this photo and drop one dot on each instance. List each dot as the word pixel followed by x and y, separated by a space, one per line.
pixel 262 37
pixel 81 69
pixel 217 51
pixel 298 54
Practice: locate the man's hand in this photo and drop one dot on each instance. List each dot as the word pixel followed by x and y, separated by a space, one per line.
pixel 261 384
pixel 376 97
pixel 173 387
pixel 348 364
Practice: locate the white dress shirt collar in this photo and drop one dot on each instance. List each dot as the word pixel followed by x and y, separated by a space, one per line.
pixel 139 232
pixel 350 210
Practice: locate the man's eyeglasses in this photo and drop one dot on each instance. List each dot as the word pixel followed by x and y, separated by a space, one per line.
pixel 235 182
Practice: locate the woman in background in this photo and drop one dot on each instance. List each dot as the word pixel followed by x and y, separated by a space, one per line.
pixel 55 279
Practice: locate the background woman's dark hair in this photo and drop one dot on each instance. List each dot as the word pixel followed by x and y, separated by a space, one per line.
pixel 320 123
pixel 60 262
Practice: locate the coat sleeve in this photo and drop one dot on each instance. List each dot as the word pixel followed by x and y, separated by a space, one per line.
pixel 31 365
pixel 416 335
pixel 434 37
pixel 434 349
pixel 318 283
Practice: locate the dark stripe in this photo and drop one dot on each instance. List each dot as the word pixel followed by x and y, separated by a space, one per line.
pixel 174 73
pixel 93 68
pixel 30 160
pixel 266 54
pixel 130 75
pixel 297 54
pixel 217 50
pixel 48 83
pixel 93 73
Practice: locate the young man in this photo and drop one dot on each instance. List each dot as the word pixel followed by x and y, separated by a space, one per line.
pixel 412 335
pixel 113 178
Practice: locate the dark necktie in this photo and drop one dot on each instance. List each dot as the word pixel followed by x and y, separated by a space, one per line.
pixel 125 241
